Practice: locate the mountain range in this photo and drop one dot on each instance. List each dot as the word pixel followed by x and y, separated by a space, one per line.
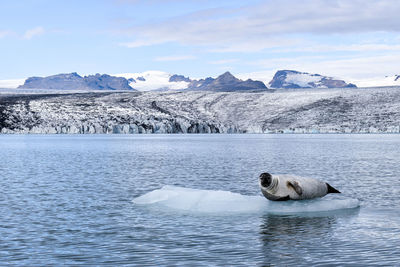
pixel 162 81
pixel 147 81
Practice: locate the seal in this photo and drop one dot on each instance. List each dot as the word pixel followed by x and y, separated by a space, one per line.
pixel 288 187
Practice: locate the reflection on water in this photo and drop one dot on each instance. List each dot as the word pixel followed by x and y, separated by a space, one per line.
pixel 289 238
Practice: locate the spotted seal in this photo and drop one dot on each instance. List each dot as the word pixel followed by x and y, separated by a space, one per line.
pixel 288 187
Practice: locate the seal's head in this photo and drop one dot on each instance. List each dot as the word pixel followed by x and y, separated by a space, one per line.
pixel 265 179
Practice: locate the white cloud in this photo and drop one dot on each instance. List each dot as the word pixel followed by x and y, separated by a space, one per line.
pixel 223 61
pixel 358 70
pixel 175 58
pixel 258 26
pixel 4 33
pixel 309 47
pixel 143 42
pixel 29 34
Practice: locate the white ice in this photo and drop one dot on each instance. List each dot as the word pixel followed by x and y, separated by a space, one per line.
pixel 302 79
pixel 154 80
pixel 378 81
pixel 222 202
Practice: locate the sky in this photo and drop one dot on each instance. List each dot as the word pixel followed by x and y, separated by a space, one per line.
pixel 349 39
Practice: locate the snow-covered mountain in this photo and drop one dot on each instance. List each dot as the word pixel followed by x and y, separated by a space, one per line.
pixel 295 79
pixel 163 81
pixel 145 81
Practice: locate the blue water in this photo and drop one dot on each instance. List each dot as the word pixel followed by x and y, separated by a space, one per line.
pixel 68 200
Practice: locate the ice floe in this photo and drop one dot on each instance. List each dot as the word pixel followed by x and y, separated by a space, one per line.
pixel 225 202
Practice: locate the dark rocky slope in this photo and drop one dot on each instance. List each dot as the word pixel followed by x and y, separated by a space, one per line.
pixel 73 81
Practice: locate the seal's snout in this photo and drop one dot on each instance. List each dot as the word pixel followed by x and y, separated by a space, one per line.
pixel 265 179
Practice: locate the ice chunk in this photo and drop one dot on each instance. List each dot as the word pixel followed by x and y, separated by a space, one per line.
pixel 211 201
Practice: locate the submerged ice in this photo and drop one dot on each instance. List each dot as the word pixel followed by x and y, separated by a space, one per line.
pixel 212 201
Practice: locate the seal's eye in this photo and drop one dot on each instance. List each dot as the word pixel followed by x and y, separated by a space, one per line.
pixel 265 179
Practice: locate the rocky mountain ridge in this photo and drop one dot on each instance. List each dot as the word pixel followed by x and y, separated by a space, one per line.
pixel 154 80
pixel 73 81
pixel 163 81
pixel 225 82
pixel 291 79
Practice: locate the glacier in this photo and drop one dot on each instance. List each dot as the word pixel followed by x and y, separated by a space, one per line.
pixel 153 80
pixel 370 110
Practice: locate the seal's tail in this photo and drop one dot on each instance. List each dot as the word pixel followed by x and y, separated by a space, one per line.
pixel 331 189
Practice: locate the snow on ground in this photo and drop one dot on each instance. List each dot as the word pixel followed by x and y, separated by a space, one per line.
pixel 14 83
pixel 379 81
pixel 152 80
pixel 302 79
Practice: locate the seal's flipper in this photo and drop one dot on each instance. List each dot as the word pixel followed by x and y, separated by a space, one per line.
pixel 331 189
pixel 283 198
pixel 296 187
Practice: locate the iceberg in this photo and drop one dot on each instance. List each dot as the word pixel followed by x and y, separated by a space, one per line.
pixel 226 202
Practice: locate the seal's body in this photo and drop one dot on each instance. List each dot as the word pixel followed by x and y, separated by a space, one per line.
pixel 288 187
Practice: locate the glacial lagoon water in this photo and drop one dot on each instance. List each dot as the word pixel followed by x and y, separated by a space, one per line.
pixel 193 200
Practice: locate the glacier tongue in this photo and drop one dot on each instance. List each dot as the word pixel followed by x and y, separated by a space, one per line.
pixel 374 110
